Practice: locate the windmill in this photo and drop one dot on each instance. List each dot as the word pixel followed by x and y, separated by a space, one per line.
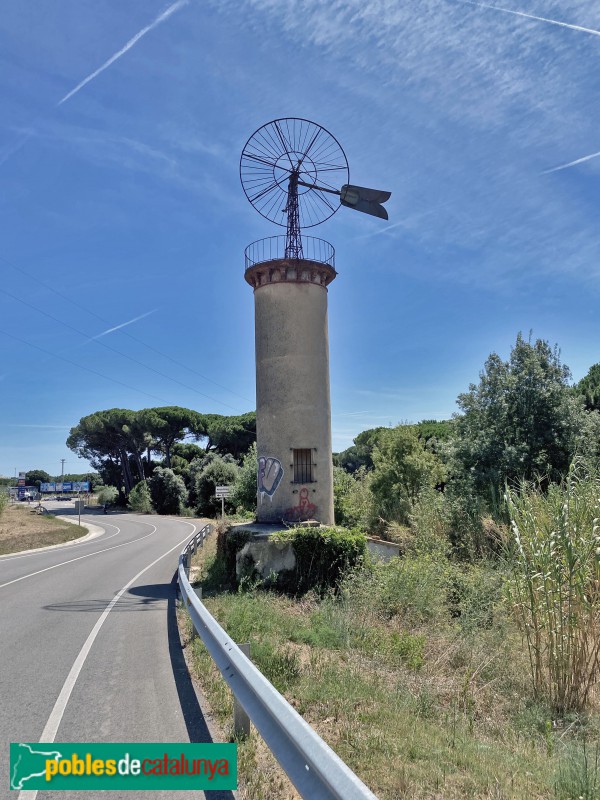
pixel 295 174
pixel 290 169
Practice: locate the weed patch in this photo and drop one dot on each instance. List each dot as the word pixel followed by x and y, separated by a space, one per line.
pixel 415 674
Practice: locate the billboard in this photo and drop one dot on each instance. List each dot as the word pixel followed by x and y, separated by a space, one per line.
pixel 66 486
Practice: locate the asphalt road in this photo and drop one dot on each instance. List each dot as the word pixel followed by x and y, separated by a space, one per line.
pixel 89 649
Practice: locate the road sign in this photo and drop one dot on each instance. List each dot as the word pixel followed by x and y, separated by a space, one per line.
pixel 222 492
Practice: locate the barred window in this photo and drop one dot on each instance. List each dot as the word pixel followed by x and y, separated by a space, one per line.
pixel 303 467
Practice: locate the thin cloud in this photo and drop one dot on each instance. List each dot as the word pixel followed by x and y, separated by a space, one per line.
pixel 11 150
pixel 572 163
pixel 122 325
pixel 532 16
pixel 381 231
pixel 52 427
pixel 160 19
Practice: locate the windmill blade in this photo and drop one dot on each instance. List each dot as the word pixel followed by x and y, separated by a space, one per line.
pixel 366 200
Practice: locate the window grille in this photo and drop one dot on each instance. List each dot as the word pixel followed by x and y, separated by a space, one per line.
pixel 303 466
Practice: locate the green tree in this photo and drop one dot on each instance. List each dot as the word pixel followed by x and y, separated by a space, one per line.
pixel 105 439
pixel 37 476
pixel 353 504
pixel 187 451
pixel 243 496
pixel 588 388
pixel 170 424
pixel 232 435
pixel 402 468
pixel 520 420
pixel 167 491
pixel 440 430
pixel 207 473
pixel 139 498
pixel 361 452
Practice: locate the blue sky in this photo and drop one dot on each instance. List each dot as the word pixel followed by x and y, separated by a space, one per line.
pixel 121 131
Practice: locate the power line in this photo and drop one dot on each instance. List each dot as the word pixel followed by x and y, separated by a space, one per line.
pixel 124 333
pixel 81 366
pixel 113 349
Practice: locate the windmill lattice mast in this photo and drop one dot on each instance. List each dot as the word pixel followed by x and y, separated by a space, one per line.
pixel 293 239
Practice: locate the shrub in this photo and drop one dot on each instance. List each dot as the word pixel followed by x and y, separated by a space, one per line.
pixel 139 499
pixel 229 543
pixel 323 555
pixel 107 494
pixel 205 474
pixel 412 588
pixel 243 496
pixel 403 468
pixel 430 525
pixel 352 499
pixel 167 491
pixel 555 584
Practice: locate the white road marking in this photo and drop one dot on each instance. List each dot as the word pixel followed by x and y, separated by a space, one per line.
pixel 70 545
pixel 49 733
pixel 89 555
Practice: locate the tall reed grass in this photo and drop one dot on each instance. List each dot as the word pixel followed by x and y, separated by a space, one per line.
pixel 554 586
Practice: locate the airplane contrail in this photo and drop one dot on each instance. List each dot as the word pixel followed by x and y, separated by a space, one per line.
pixel 161 18
pixel 572 163
pixel 532 16
pixel 122 325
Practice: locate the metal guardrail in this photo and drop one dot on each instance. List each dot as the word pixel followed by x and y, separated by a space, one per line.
pixel 312 766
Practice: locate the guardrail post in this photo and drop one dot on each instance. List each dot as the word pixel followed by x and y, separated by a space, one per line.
pixel 198 590
pixel 188 563
pixel 241 720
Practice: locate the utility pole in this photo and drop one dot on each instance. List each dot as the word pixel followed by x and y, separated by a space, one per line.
pixel 62 461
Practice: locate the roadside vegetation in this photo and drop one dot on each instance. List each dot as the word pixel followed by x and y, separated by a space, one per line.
pixel 22 529
pixel 430 675
pixel 468 666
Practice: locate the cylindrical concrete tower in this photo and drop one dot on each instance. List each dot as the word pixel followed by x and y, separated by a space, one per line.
pixel 293 409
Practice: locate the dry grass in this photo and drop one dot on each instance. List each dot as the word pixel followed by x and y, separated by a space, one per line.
pixel 419 708
pixel 20 529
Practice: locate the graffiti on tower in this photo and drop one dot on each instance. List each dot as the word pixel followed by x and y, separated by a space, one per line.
pixel 304 510
pixel 270 473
